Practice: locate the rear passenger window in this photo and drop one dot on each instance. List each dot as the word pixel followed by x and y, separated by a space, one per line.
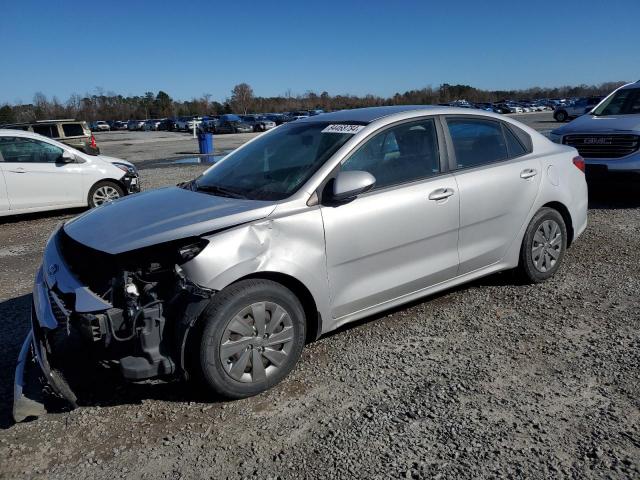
pixel 399 154
pixel 477 142
pixel 515 147
pixel 72 130
pixel 50 131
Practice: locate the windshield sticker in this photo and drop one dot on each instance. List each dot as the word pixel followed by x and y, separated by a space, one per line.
pixel 353 129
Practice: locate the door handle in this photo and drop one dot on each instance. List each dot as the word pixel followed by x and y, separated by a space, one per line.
pixel 528 173
pixel 441 194
pixel 18 170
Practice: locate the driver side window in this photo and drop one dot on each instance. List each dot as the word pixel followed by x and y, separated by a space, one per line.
pixel 400 154
pixel 27 150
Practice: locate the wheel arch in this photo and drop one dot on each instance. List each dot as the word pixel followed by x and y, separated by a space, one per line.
pixel 106 180
pixel 300 290
pixel 566 216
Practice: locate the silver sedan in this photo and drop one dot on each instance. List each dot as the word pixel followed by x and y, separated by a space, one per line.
pixel 305 228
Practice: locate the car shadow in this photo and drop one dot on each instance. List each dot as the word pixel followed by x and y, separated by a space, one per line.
pixel 24 217
pixel 612 192
pixel 14 326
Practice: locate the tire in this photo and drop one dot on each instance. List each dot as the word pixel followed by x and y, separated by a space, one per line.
pixel 545 237
pixel 234 372
pixel 561 116
pixel 103 192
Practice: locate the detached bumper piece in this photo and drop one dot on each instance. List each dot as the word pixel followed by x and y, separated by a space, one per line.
pixel 28 400
pixel 34 379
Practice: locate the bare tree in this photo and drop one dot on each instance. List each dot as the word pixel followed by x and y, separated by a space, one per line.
pixel 241 97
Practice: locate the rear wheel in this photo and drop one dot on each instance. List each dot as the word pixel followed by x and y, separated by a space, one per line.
pixel 104 192
pixel 253 335
pixel 560 116
pixel 543 246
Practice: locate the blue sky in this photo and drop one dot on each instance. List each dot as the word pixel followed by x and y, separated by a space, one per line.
pixel 188 48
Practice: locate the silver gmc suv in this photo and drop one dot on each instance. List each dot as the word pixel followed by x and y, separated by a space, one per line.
pixel 608 137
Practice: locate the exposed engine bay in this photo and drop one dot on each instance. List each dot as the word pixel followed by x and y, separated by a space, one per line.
pixel 151 308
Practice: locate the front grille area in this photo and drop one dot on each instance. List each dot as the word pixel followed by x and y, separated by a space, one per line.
pixel 603 145
pixel 92 267
pixel 59 309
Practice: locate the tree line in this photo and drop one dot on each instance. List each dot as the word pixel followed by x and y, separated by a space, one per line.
pixel 110 106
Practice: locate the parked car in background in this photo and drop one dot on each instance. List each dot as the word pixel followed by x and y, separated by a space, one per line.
pixel 501 108
pixel 232 124
pixel 313 225
pixel 99 126
pixel 575 108
pixel 209 125
pixel 151 125
pixel 135 125
pixel 71 132
pixel 608 137
pixel 186 123
pixel 277 118
pixel 487 107
pixel 297 115
pixel 40 173
pixel 118 125
pixel 180 123
pixel 259 123
pixel 166 124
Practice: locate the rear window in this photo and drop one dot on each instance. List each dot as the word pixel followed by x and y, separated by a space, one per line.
pixel 50 131
pixel 72 130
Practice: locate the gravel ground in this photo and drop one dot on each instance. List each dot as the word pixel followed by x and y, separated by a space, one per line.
pixel 492 379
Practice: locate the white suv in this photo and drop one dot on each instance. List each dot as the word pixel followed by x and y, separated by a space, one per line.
pixel 38 173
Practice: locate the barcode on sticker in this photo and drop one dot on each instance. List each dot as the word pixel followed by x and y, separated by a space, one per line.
pixel 353 129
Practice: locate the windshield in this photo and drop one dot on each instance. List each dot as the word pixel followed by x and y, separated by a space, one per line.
pixel 623 102
pixel 275 165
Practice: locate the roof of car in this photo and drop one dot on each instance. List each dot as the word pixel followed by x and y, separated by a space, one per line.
pixel 366 115
pixel 631 85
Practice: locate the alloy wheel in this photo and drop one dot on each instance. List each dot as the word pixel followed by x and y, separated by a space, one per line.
pixel 105 194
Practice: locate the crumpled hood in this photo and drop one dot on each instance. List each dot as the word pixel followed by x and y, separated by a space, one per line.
pixel 609 124
pixel 160 216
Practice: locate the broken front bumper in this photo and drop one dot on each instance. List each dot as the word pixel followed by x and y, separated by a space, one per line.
pixel 53 282
pixel 131 182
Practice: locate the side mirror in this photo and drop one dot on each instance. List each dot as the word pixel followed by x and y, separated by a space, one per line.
pixel 67 157
pixel 349 184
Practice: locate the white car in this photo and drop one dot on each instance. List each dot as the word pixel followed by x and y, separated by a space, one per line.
pixel 100 126
pixel 37 173
pixel 151 125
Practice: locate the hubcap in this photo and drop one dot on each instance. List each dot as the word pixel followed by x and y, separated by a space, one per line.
pixel 105 194
pixel 547 245
pixel 256 342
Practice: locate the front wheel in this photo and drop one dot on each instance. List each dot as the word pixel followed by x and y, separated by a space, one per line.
pixel 104 192
pixel 543 246
pixel 253 335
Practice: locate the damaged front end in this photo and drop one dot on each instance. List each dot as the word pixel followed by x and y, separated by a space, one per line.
pixel 135 308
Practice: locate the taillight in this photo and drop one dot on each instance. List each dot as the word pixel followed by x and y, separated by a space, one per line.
pixel 579 162
pixel 93 142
